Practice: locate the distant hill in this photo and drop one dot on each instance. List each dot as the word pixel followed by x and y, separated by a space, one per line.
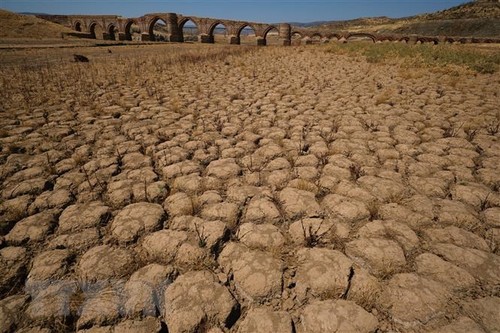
pixel 479 18
pixel 14 25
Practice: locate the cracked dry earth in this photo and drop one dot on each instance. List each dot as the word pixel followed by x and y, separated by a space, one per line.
pixel 274 190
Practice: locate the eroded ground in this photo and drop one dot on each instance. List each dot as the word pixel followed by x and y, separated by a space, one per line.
pixel 273 190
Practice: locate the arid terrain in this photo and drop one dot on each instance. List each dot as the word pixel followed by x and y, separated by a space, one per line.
pixel 215 188
pixel 478 18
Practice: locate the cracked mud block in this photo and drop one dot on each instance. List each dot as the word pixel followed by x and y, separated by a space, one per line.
pixel 135 160
pixel 145 288
pixel 261 210
pixel 461 325
pixel 257 274
pixel 80 216
pixel 239 194
pixel 322 272
pixel 364 288
pixel 384 189
pixel 475 195
pixel 149 192
pixel 13 210
pixel 299 203
pixel 311 231
pixel 11 312
pixel 146 325
pixel 431 187
pixel 178 204
pixel 351 190
pixel 102 263
pixel 77 241
pixel 492 216
pixel 381 256
pixel 13 262
pixel 33 229
pixel 458 214
pixel 336 317
pixel 31 186
pixel 192 183
pixel 181 169
pixel 396 212
pixel 101 307
pixel 347 209
pixel 223 169
pixel 211 233
pixel 52 302
pixel 261 236
pixel 399 232
pixel 162 245
pixel 337 172
pixel 210 197
pixel 485 311
pixel 136 219
pixel 435 268
pixel 421 205
pixel 266 320
pixel 47 267
pixel 482 265
pixel 141 176
pixel 426 298
pixel 51 199
pixel 456 236
pixel 196 298
pixel 36 329
pixel 225 211
pixel 190 255
pixel 119 192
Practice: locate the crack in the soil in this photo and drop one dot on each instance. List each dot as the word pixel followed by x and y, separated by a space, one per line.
pixel 349 281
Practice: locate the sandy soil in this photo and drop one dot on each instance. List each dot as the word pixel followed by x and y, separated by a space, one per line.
pixel 232 189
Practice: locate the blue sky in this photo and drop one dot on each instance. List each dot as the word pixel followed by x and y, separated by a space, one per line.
pixel 255 10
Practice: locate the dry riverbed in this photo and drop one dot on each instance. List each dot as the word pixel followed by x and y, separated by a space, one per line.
pixel 231 189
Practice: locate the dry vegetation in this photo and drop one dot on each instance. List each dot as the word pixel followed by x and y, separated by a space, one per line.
pixel 475 18
pixel 15 26
pixel 239 189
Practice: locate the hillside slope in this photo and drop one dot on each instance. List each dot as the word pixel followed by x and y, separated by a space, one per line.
pixel 14 25
pixel 478 19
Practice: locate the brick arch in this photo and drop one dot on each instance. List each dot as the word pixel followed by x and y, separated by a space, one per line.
pixel 92 29
pixel 78 26
pixel 334 35
pixel 112 31
pixel 385 38
pixel 151 24
pixel 181 24
pixel 212 27
pixel 187 19
pixel 361 34
pixel 243 26
pixel 423 40
pixel 127 26
pixel 269 29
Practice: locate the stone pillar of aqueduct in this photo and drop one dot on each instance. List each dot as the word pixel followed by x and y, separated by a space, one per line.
pixel 119 28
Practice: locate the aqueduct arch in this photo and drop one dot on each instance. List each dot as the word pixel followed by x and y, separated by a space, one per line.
pixel 96 30
pixel 184 26
pixel 361 35
pixel 119 28
pixel 78 26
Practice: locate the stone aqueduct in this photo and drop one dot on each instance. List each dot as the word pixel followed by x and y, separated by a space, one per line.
pixel 112 27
